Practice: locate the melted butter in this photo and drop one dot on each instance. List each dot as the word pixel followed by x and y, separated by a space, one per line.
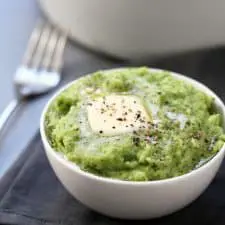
pixel 116 114
pixel 181 118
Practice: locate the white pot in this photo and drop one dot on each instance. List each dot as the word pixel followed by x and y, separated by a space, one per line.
pixel 135 29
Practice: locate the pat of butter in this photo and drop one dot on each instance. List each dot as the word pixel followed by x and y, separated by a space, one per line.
pixel 115 114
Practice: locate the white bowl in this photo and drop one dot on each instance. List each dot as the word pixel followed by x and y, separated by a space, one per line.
pixel 134 200
pixel 134 29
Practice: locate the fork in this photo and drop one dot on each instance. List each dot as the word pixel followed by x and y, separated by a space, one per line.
pixel 40 68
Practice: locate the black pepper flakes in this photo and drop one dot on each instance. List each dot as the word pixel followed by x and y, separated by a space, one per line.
pixel 136 141
pixel 100 131
pixel 138 116
pixel 113 127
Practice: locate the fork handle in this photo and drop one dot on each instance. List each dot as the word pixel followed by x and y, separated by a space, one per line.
pixel 7 113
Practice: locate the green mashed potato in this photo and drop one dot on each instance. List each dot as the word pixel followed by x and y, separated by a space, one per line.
pixel 182 131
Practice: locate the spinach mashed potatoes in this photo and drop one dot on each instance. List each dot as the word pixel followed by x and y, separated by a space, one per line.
pixel 134 124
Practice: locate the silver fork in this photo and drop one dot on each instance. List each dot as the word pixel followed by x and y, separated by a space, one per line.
pixel 40 68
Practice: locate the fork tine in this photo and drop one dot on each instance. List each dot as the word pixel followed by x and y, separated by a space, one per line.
pixel 32 44
pixel 43 40
pixel 57 60
pixel 50 48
